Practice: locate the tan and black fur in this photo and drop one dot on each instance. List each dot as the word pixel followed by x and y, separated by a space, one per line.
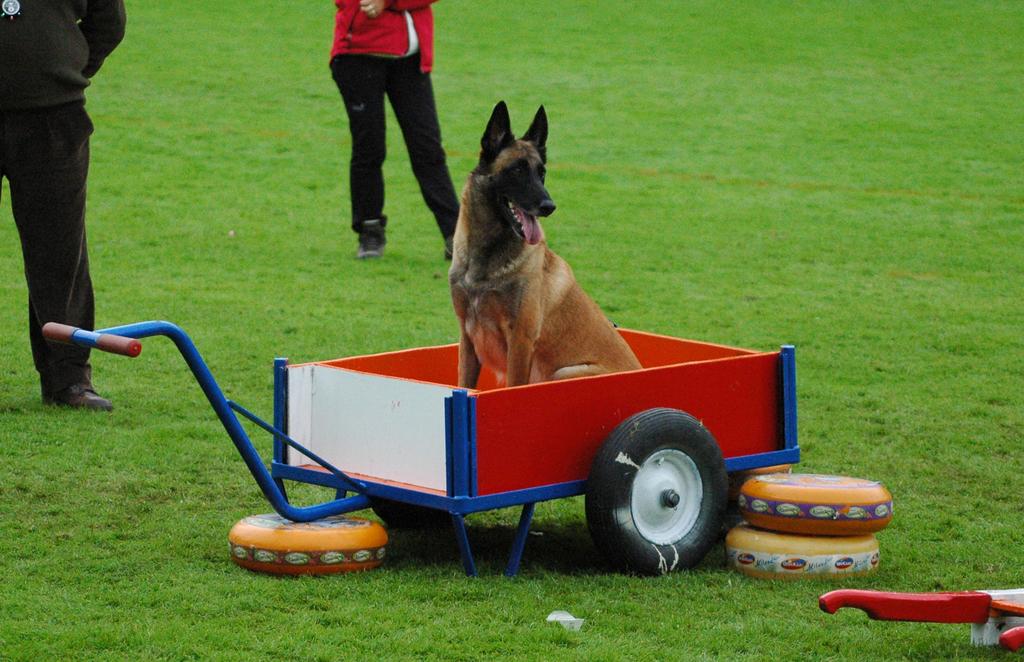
pixel 521 312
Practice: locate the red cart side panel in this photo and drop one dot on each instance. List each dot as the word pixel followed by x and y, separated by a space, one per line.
pixel 548 433
pixel 438 365
pixel 654 351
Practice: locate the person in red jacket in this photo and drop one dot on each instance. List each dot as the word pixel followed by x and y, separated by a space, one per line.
pixel 386 47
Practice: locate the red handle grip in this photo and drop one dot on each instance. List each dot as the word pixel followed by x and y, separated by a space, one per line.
pixel 58 332
pixel 1012 639
pixel 962 607
pixel 107 342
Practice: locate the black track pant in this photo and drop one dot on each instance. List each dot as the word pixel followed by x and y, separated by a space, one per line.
pixel 44 154
pixel 363 80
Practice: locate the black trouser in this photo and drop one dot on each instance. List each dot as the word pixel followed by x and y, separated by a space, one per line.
pixel 363 80
pixel 44 154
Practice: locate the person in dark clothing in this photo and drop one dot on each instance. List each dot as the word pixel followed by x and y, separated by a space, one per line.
pixel 49 51
pixel 386 47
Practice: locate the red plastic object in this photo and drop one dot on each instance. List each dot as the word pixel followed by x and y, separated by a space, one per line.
pixel 58 332
pixel 1012 639
pixel 104 341
pixel 960 607
pixel 119 345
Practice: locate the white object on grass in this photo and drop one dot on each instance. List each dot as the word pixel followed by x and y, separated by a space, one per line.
pixel 566 620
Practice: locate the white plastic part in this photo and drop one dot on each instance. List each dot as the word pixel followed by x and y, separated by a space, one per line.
pixel 566 620
pixel 666 497
pixel 987 633
pixel 377 426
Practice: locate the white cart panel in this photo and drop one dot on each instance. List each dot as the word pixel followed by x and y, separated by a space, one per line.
pixel 377 426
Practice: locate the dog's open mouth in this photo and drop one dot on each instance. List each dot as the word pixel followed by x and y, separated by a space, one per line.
pixel 525 224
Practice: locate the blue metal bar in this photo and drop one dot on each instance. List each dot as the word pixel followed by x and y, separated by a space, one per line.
pixel 520 540
pixel 471 444
pixel 280 417
pixel 460 444
pixel 229 420
pixel 758 460
pixel 459 523
pixel 280 405
pixel 519 497
pixel 307 475
pixel 788 359
pixel 460 505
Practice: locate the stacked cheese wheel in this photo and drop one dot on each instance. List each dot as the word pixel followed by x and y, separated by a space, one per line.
pixel 806 525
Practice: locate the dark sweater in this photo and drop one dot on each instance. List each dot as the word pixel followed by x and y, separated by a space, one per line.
pixel 49 52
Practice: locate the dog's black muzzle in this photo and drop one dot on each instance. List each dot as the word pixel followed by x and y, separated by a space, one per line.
pixel 546 207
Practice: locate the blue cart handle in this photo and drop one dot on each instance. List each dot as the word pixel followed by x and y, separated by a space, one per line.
pixel 124 340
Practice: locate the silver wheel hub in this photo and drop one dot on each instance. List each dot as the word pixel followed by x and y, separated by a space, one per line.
pixel 666 497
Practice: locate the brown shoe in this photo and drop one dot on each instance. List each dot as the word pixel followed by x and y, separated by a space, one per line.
pixel 78 396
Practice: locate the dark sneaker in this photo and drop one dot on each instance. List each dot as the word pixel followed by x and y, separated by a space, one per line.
pixel 78 396
pixel 448 248
pixel 371 239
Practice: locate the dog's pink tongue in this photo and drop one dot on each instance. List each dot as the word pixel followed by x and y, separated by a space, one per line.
pixel 532 230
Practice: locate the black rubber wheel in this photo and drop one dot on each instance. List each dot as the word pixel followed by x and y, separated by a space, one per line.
pixel 398 515
pixel 657 493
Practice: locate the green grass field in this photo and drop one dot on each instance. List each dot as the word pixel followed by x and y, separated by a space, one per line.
pixel 846 177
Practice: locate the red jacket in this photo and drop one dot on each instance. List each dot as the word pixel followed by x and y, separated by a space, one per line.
pixel 355 32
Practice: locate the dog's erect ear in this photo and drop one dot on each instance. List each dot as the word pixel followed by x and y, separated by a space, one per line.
pixel 497 135
pixel 538 131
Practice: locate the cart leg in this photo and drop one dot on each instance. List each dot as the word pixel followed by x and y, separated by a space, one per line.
pixel 280 412
pixel 467 554
pixel 520 541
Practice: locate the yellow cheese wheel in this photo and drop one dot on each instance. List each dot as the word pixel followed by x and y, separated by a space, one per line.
pixel 270 543
pixel 767 554
pixel 815 504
